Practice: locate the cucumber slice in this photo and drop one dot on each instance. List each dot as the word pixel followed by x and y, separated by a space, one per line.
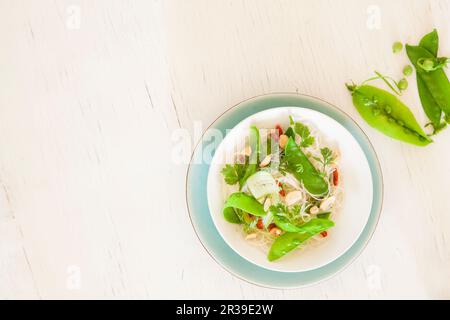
pixel 261 184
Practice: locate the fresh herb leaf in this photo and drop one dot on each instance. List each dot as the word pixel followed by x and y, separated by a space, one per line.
pixel 291 121
pixel 278 209
pixel 285 217
pixel 230 175
pixel 304 133
pixel 233 173
pixel 240 169
pixel 327 157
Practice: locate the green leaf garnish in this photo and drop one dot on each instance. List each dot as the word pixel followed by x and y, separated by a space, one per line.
pixel 291 121
pixel 283 214
pixel 233 173
pixel 327 157
pixel 304 133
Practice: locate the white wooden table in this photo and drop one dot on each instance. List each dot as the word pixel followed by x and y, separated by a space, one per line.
pixel 92 203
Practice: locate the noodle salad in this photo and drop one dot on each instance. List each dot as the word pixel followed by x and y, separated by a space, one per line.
pixel 288 188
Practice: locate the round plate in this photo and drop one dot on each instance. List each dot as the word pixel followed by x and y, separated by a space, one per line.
pixel 196 193
pixel 355 203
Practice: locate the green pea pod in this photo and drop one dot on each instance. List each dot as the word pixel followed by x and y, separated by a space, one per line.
pixel 430 42
pixel 291 240
pixel 303 170
pixel 244 202
pixel 231 215
pixel 384 112
pixel 430 106
pixel 435 81
pixel 255 145
pixel 285 225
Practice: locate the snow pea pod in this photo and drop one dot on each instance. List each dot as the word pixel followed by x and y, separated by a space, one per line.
pixel 430 42
pixel 384 112
pixel 435 81
pixel 291 240
pixel 429 105
pixel 244 202
pixel 303 170
pixel 284 224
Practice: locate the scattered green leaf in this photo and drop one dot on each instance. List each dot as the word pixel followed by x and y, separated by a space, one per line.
pixel 230 175
pixel 327 157
pixel 233 173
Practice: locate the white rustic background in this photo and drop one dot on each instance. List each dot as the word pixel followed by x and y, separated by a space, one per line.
pixel 91 202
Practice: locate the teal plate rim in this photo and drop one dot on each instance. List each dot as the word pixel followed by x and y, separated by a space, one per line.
pixel 211 240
